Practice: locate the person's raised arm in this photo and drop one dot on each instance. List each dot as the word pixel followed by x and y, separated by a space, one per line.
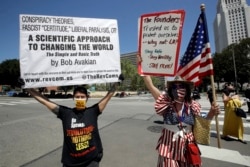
pixel 44 100
pixel 104 101
pixel 149 84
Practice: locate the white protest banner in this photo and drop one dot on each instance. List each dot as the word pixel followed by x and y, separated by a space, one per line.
pixel 58 51
pixel 159 42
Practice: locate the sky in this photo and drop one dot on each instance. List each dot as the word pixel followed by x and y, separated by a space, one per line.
pixel 126 12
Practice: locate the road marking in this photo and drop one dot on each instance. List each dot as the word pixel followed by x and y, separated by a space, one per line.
pixel 19 102
pixel 9 104
pixel 16 102
pixel 245 125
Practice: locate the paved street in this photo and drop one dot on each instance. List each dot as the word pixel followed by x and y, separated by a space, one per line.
pixel 31 136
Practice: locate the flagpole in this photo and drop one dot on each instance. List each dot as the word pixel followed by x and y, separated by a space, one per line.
pixel 214 96
pixel 216 116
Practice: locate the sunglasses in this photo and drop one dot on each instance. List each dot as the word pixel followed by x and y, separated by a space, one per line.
pixel 178 86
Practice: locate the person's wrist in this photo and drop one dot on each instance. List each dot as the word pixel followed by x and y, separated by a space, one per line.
pixel 210 115
pixel 112 88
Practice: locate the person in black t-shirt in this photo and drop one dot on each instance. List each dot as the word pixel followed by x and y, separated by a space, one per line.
pixel 82 146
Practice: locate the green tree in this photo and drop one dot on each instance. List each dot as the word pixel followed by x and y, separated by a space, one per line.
pixel 133 81
pixel 9 72
pixel 129 71
pixel 65 89
pixel 224 63
pixel 243 61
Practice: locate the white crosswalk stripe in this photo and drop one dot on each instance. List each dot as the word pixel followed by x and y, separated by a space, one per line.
pixel 5 103
pixel 19 102
pixel 16 102
pixel 246 125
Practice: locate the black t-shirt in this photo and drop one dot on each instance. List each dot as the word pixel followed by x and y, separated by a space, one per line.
pixel 82 142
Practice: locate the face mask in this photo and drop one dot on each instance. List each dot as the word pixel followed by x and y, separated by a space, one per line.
pixel 179 93
pixel 80 103
pixel 175 94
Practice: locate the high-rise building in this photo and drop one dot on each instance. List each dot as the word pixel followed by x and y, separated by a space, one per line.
pixel 231 24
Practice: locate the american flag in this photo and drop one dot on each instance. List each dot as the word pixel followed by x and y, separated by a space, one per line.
pixel 197 60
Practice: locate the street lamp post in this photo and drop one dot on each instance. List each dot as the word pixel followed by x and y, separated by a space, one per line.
pixel 235 73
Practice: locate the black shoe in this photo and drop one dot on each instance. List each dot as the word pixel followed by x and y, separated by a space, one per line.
pixel 226 138
pixel 242 141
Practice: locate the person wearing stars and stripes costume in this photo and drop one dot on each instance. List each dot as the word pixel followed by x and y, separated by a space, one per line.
pixel 178 110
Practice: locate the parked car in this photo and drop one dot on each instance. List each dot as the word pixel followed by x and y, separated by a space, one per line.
pixel 2 93
pixel 123 94
pixel 12 93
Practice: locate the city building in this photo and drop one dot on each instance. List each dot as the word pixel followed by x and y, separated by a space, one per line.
pixel 130 56
pixel 231 24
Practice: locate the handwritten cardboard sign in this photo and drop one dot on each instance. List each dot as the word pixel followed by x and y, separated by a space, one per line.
pixel 159 42
pixel 58 51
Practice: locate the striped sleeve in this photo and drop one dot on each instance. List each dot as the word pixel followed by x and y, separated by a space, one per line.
pixel 161 104
pixel 195 107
